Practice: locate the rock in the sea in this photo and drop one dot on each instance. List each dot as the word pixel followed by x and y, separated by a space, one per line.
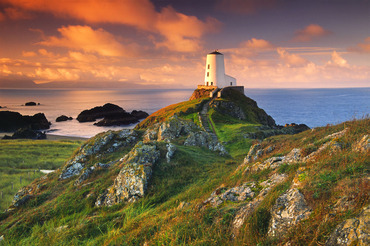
pixel 118 119
pixel 99 112
pixel 26 133
pixel 63 118
pixel 11 121
pixel 139 114
pixel 30 104
pixel 289 209
pixel 355 231
pixel 112 115
pixel 133 179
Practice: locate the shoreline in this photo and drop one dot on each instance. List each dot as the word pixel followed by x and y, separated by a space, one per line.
pixel 51 137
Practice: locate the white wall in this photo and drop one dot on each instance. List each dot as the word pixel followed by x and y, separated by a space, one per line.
pixel 215 70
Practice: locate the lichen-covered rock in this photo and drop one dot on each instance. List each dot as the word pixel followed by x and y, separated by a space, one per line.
pixel 174 128
pixel 234 194
pixel 252 154
pixel 90 170
pixel 106 142
pixel 204 139
pixel 171 149
pixel 289 209
pixel 132 181
pixel 245 211
pixel 363 145
pixel 355 231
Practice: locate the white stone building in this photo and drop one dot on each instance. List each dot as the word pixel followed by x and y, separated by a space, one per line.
pixel 215 71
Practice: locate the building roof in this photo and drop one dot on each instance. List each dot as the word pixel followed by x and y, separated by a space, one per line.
pixel 215 53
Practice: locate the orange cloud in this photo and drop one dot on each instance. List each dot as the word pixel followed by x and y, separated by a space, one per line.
pixel 181 32
pixel 337 60
pixel 362 47
pixel 244 6
pixel 87 39
pixel 291 59
pixel 310 32
pixel 28 53
pixel 259 44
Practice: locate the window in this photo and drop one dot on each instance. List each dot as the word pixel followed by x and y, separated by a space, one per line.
pixel 211 83
pixel 231 83
pixel 209 66
pixel 207 83
pixel 207 74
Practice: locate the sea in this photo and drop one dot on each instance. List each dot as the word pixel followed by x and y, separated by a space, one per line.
pixel 313 107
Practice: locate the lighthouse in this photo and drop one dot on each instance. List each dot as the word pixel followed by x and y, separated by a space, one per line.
pixel 215 71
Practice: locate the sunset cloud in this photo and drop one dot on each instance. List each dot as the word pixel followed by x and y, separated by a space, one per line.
pixel 87 39
pixel 181 32
pixel 362 47
pixel 337 60
pixel 291 59
pixel 259 44
pixel 310 32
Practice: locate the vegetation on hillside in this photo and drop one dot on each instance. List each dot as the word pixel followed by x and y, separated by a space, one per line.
pixel 21 160
pixel 174 211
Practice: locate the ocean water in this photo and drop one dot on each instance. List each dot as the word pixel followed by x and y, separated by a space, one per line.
pixel 313 107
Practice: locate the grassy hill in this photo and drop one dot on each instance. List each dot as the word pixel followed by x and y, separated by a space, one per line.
pixel 195 195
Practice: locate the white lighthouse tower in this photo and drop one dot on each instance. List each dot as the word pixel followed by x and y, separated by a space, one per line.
pixel 215 71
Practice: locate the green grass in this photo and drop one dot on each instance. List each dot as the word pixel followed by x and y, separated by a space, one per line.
pixel 231 131
pixel 64 214
pixel 20 161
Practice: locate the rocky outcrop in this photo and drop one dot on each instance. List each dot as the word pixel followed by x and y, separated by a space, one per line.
pixel 11 121
pixel 106 142
pixel 245 211
pixel 201 93
pixel 289 209
pixel 26 133
pixel 228 108
pixel 171 149
pixel 175 128
pixel 204 139
pixel 63 118
pixel 363 144
pixel 90 170
pixel 132 181
pixel 112 115
pixel 235 194
pixel 294 156
pixel 355 231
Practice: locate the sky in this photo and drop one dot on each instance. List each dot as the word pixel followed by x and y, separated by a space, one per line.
pixel 164 43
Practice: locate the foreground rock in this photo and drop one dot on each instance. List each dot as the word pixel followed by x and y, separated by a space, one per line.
pixel 26 133
pixel 132 181
pixel 112 115
pixel 355 231
pixel 289 209
pixel 63 118
pixel 106 142
pixel 11 121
